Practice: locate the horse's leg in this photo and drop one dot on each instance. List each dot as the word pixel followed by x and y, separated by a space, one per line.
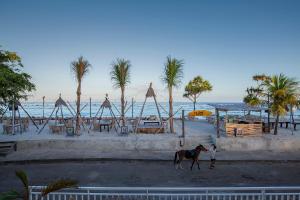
pixel 192 164
pixel 180 166
pixel 180 159
pixel 198 163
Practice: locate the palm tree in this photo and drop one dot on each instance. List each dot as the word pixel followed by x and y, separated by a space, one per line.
pixel 283 91
pixel 172 75
pixel 195 88
pixel 79 68
pixel 120 76
pixel 52 187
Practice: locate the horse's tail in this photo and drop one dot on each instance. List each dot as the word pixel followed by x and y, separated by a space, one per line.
pixel 175 157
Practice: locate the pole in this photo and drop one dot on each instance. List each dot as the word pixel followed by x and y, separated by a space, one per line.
pixel 182 118
pixel 131 107
pixel 269 129
pixel 218 123
pixel 90 107
pixel 13 117
pixel 43 107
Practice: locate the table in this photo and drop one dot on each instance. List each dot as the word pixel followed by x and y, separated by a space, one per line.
pixel 57 128
pixel 39 120
pixel 104 125
pixel 151 123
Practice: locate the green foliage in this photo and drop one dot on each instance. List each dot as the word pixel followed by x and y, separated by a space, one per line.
pixel 52 187
pixel 257 95
pixel 283 91
pixel 14 84
pixel 280 91
pixel 196 87
pixel 10 195
pixel 58 185
pixel 252 97
pixel 23 177
pixel 173 72
pixel 120 73
pixel 80 68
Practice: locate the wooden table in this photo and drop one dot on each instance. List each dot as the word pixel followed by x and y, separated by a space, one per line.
pixel 58 128
pixel 39 120
pixel 150 129
pixel 104 125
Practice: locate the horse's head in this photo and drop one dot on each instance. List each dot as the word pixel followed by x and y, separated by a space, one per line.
pixel 200 147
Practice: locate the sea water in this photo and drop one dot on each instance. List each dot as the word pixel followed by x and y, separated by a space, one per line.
pixel 36 109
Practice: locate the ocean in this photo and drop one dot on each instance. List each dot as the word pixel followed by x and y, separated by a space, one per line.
pixel 36 109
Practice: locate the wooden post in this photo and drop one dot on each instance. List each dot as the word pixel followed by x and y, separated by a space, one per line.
pixel 182 118
pixel 131 107
pixel 43 107
pixel 13 117
pixel 269 129
pixel 218 123
pixel 90 107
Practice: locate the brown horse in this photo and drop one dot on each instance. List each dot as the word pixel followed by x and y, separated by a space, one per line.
pixel 190 155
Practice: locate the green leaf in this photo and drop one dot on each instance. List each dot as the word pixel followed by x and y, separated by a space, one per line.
pixel 58 185
pixel 11 195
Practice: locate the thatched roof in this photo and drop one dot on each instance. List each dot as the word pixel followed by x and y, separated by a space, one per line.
pixel 60 102
pixel 150 91
pixel 236 107
pixel 106 103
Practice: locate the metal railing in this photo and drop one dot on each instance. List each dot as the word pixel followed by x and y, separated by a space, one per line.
pixel 167 193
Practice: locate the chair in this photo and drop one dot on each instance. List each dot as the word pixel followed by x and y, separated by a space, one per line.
pixel 96 126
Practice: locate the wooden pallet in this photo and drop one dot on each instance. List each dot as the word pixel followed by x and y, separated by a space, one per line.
pixel 243 129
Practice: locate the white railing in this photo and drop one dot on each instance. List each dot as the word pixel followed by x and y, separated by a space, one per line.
pixel 168 193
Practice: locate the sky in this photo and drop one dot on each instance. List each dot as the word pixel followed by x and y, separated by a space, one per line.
pixel 226 42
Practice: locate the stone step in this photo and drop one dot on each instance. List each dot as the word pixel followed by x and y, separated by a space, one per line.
pixel 7 147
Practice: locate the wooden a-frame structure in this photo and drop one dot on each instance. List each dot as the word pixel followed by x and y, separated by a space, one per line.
pixel 150 93
pixel 13 107
pixel 59 103
pixel 106 105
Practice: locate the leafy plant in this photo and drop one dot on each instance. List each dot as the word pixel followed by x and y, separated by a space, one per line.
pixel 195 88
pixel 172 76
pixel 14 84
pixel 120 76
pixel 52 187
pixel 80 69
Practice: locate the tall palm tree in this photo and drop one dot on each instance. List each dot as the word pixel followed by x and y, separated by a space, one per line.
pixel 283 91
pixel 120 76
pixel 172 76
pixel 79 68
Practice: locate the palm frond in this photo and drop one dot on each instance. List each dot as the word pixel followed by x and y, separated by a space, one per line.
pixel 120 73
pixel 24 179
pixel 173 72
pixel 80 68
pixel 58 185
pixel 10 195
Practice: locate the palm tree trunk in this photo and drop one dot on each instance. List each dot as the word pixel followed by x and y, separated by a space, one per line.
pixel 78 107
pixel 171 110
pixel 122 106
pixel 276 124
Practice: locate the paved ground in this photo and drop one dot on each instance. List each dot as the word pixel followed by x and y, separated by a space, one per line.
pixel 155 173
pixel 87 154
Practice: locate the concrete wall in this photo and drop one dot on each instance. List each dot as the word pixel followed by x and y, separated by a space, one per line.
pixel 291 143
pixel 154 143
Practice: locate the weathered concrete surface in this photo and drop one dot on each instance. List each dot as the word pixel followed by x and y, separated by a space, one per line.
pixel 154 173
pixel 168 142
pixel 89 154
pixel 264 143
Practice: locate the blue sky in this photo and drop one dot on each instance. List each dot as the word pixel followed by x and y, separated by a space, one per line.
pixel 226 42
